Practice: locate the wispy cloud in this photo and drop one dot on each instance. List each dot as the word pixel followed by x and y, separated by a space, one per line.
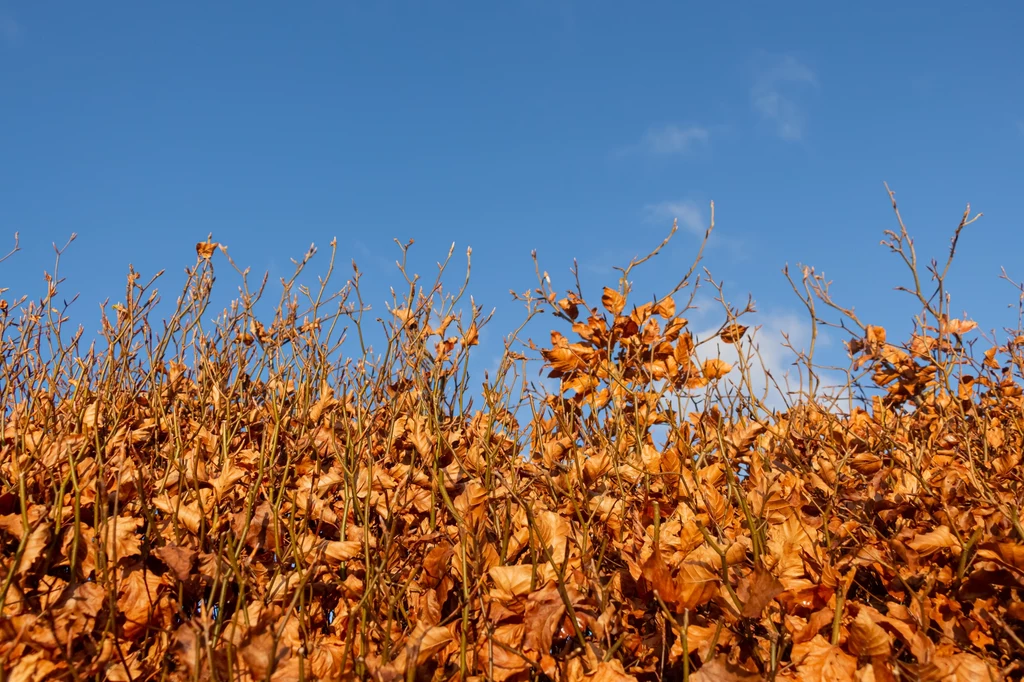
pixel 773 95
pixel 694 218
pixel 691 216
pixel 775 376
pixel 668 140
pixel 10 29
pixel 672 139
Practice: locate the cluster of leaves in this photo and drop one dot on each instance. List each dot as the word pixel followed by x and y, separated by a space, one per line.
pixel 235 503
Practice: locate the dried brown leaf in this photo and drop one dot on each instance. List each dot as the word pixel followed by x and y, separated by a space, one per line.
pixel 180 560
pixel 933 541
pixel 613 301
pixel 206 249
pixel 820 661
pixel 867 638
pixel 732 333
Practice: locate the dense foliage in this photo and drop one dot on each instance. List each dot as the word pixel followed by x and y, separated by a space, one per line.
pixel 230 500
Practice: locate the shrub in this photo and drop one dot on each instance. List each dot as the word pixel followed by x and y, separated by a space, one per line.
pixel 231 501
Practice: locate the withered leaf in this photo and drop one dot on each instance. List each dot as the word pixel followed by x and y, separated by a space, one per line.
pixel 719 669
pixel 511 582
pixel 694 583
pixel 868 638
pixel 206 249
pixel 715 369
pixel 764 587
pixel 122 539
pixel 733 333
pixel 343 550
pixel 138 594
pixel 1010 554
pixel 426 641
pixel 820 661
pixel 544 612
pixel 34 667
pixel 933 541
pixel 957 326
pixel 666 308
pixel 38 540
pixel 262 657
pixel 613 301
pixel 180 560
pixel 472 337
pixel 611 671
pixel 875 335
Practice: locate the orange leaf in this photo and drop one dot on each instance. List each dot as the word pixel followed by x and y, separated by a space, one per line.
pixel 613 301
pixel 929 543
pixel 1009 553
pixel 121 538
pixel 957 326
pixel 179 559
pixel 875 334
pixel 137 600
pixel 206 249
pixel 867 638
pixel 343 550
pixel 733 333
pixel 719 669
pixel 763 589
pixel 611 671
pixel 666 307
pixel 511 581
pixel 819 661
pixel 569 308
pixel 425 641
pixel 715 368
pixel 692 586
pixel 544 612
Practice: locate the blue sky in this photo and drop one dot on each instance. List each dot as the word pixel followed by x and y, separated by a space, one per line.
pixel 578 129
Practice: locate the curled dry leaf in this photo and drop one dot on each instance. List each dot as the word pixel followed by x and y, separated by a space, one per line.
pixel 764 587
pixel 35 667
pixel 511 582
pixel 715 368
pixel 38 540
pixel 180 560
pixel 956 668
pixel 957 326
pixel 122 538
pixel 610 671
pixel 692 585
pixel 733 333
pixel 868 638
pixel 933 541
pixel 139 594
pixel 666 308
pixel 206 249
pixel 719 669
pixel 875 335
pixel 1010 554
pixel 820 661
pixel 613 301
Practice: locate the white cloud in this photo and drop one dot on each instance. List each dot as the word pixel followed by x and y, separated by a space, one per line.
pixel 672 139
pixel 695 219
pixel 773 99
pixel 772 358
pixel 691 216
